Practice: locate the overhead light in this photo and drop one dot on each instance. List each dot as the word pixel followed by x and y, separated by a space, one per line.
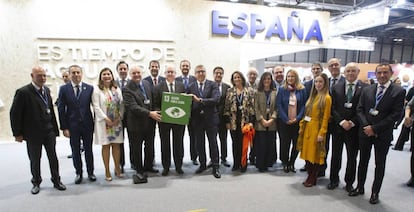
pixel 272 4
pixel 409 27
pixel 234 0
pixel 312 7
pixel 397 39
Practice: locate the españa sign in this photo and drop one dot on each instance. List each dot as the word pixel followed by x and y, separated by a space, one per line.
pixel 175 108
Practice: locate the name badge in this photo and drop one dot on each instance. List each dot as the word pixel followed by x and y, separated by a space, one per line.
pixel 240 107
pixel 348 105
pixel 373 112
pixel 147 101
pixel 48 111
pixel 201 111
pixel 291 102
pixel 307 118
pixel 267 110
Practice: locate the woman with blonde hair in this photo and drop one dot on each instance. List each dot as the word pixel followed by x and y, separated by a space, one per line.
pixel 107 104
pixel 291 99
pixel 313 128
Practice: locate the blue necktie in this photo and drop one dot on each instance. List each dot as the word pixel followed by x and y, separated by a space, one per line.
pixel 200 89
pixel 380 93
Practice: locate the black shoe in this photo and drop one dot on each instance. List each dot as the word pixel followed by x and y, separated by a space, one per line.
pixel 139 178
pixel 35 189
pixel 165 172
pixel 410 183
pixel 235 168
pixel 200 169
pixel 332 185
pixel 397 149
pixel 151 170
pixel 374 198
pixel 285 168
pixel 321 174
pixel 78 179
pixel 349 188
pixel 356 192
pixel 92 177
pixel 263 170
pixel 122 170
pixel 195 163
pixel 303 169
pixel 216 173
pixel 209 165
pixel 225 163
pixel 243 169
pixel 179 171
pixel 292 168
pixel 59 186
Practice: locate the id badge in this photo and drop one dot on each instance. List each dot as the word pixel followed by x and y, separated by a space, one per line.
pixel 307 118
pixel 291 102
pixel 348 105
pixel 240 107
pixel 147 101
pixel 373 112
pixel 201 111
pixel 267 110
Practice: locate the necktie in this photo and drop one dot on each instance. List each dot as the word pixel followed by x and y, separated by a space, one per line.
pixel 200 89
pixel 350 92
pixel 185 83
pixel 77 91
pixel 333 81
pixel 42 92
pixel 380 93
pixel 219 85
pixel 171 88
pixel 155 81
pixel 122 84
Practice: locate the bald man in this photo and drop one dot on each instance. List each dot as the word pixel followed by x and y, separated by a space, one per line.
pixel 33 119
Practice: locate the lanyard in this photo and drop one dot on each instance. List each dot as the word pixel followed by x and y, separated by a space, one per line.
pixel 143 91
pixel 240 98
pixel 43 97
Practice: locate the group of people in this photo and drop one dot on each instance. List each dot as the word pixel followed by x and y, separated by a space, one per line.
pixel 304 115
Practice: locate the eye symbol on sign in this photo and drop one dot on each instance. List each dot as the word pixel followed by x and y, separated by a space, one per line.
pixel 175 112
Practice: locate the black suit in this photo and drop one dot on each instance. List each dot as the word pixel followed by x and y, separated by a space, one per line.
pixel 33 117
pixel 204 120
pixel 124 124
pixel 165 128
pixel 389 110
pixel 193 149
pixel 138 105
pixel 343 110
pixel 222 130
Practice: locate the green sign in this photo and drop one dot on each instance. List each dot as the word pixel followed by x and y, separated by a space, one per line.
pixel 175 108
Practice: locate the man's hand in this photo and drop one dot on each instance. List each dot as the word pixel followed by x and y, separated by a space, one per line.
pixel 408 122
pixel 195 98
pixel 18 138
pixel 368 131
pixel 66 133
pixel 155 115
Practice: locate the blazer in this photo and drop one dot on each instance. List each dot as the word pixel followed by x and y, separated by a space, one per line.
pixel 220 105
pixel 210 97
pixel 260 109
pixel 137 111
pixel 283 103
pixel 339 98
pixel 341 79
pixel 28 113
pixel 75 113
pixel 389 108
pixel 230 108
pixel 163 87
pixel 151 82
pixel 308 86
pixel 191 79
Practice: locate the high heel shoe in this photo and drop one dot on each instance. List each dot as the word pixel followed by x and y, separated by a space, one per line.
pixel 108 179
pixel 119 174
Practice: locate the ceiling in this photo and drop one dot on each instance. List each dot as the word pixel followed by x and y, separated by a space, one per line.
pixel 395 32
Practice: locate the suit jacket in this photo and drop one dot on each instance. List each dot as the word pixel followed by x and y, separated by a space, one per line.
pixel 75 113
pixel 118 83
pixel 137 111
pixel 222 102
pixel 163 87
pixel 191 79
pixel 339 98
pixel 308 86
pixel 211 97
pixel 260 107
pixel 341 79
pixel 151 82
pixel 283 103
pixel 389 109
pixel 28 113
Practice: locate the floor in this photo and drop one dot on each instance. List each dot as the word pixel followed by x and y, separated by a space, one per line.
pixel 251 191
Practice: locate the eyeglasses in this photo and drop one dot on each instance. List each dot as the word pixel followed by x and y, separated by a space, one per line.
pixel 334 64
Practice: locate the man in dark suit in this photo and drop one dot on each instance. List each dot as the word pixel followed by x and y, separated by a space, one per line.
pixel 76 121
pixel 379 107
pixel 154 79
pixel 33 119
pixel 187 80
pixel 123 68
pixel 170 85
pixel 408 122
pixel 204 118
pixel 218 73
pixel 316 69
pixel 345 97
pixel 278 75
pixel 138 101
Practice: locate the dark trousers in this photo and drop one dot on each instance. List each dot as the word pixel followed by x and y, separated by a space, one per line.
pixel 264 151
pixel 237 145
pixel 200 132
pixel 222 132
pixel 288 135
pixel 381 150
pixel 403 137
pixel 34 151
pixel 193 145
pixel 350 139
pixel 75 143
pixel 412 163
pixel 136 139
pixel 331 128
pixel 178 148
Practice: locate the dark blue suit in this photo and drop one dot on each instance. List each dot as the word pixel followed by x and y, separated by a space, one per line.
pixel 75 115
pixel 204 120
